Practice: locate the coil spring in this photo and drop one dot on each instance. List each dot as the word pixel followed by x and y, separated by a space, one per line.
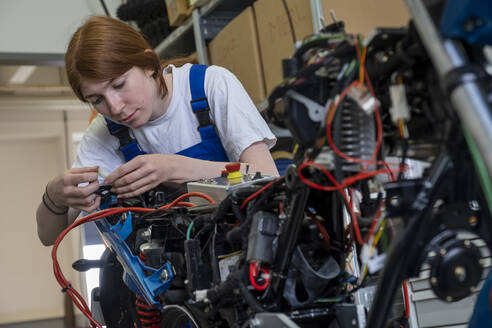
pixel 148 315
pixel 357 135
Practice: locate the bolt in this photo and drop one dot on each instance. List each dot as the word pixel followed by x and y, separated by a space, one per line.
pixel 472 23
pixel 460 273
pixel 449 299
pixel 467 243
pixel 472 220
pixel 443 251
pixel 164 274
pixel 469 25
pixel 434 280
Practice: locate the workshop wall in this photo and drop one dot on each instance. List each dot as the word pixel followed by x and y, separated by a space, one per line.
pixel 34 144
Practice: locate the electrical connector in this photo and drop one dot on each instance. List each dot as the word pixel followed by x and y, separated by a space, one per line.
pixel 363 97
pixel 399 109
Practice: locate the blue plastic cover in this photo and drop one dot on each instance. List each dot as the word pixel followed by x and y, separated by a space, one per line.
pixel 136 274
pixel 469 20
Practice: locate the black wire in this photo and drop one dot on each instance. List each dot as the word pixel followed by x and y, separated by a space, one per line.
pixel 403 159
pixel 290 21
pixel 103 4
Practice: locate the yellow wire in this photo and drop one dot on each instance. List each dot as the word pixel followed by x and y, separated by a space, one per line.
pixel 373 246
pixel 361 66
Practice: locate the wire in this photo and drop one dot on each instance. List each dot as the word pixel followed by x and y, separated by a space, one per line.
pixel 330 116
pixel 254 269
pixel 407 299
pixel 188 231
pixel 336 186
pixel 374 222
pixel 66 287
pixel 103 4
pixel 247 200
pixel 322 229
pixel 287 12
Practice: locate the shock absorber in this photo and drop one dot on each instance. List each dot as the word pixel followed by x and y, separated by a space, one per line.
pixel 148 315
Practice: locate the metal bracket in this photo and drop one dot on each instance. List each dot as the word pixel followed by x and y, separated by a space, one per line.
pixel 316 111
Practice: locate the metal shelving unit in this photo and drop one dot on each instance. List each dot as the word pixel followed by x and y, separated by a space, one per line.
pixel 204 24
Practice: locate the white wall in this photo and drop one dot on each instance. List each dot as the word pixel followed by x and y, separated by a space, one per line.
pixel 35 146
pixel 38 31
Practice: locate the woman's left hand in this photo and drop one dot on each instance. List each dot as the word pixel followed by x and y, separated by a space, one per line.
pixel 141 174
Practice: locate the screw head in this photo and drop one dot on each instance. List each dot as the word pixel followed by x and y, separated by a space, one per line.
pixel 460 273
pixel 472 220
pixel 164 274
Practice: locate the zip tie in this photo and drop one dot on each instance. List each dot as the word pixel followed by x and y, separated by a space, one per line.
pixel 64 290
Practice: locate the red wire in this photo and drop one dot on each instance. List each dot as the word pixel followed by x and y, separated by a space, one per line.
pixel 74 295
pixel 336 186
pixel 247 200
pixel 322 229
pixel 378 124
pixel 253 272
pixel 407 299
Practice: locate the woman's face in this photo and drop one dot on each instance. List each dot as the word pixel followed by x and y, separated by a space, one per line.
pixel 127 99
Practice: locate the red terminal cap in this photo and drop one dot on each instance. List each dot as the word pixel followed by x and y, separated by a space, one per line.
pixel 233 167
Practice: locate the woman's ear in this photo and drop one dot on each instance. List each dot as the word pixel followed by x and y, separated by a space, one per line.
pixel 150 73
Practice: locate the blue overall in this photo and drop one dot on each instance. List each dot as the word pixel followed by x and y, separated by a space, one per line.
pixel 210 148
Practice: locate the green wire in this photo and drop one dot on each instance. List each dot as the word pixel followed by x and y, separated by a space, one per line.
pixel 350 68
pixel 188 232
pixel 481 169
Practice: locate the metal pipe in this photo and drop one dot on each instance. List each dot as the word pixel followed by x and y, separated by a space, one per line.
pixel 468 99
pixel 199 38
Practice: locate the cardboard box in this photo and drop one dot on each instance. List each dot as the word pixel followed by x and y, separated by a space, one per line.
pixel 362 16
pixel 236 48
pixel 177 11
pixel 197 3
pixel 275 35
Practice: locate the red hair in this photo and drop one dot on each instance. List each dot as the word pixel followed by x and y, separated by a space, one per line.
pixel 104 48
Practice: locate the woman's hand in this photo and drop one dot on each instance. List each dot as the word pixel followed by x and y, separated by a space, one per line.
pixel 141 174
pixel 63 190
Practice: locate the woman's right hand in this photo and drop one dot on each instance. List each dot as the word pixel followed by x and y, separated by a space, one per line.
pixel 64 190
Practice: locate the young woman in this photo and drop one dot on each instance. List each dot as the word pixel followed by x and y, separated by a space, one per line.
pixel 110 66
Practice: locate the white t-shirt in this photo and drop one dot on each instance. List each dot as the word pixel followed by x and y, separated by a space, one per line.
pixel 238 123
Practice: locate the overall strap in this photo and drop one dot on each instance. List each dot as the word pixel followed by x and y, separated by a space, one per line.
pixel 128 146
pixel 199 102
